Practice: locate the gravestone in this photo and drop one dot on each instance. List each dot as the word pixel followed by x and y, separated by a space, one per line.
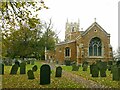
pixel 23 68
pixel 34 68
pixel 103 68
pixel 17 63
pixel 58 72
pixel 30 74
pixel 14 69
pixel 1 68
pixel 45 72
pixel 115 73
pixel 75 67
pixel 85 66
pixel 95 70
pixel 90 69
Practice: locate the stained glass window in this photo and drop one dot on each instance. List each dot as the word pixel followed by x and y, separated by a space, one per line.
pixel 95 47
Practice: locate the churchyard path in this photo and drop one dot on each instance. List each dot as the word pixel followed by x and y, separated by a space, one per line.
pixel 79 79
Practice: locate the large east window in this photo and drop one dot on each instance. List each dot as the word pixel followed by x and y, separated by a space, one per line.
pixel 95 47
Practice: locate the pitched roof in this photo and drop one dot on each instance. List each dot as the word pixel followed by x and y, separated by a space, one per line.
pixel 95 23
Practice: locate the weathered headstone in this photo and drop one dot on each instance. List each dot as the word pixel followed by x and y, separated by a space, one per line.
pixel 17 63
pixel 45 72
pixel 85 66
pixel 30 74
pixel 90 69
pixel 23 68
pixel 58 72
pixel 14 69
pixel 115 73
pixel 34 68
pixel 1 68
pixel 103 68
pixel 95 70
pixel 75 67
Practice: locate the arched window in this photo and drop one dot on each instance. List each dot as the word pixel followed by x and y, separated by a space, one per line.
pixel 95 47
pixel 67 51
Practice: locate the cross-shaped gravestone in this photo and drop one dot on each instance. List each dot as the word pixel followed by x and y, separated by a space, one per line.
pixel 58 71
pixel 45 72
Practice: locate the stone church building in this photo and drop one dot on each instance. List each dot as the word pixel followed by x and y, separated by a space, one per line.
pixel 90 45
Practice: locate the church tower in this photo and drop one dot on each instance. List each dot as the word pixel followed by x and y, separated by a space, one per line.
pixel 70 29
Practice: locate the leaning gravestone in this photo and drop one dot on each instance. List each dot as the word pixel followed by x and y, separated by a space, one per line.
pixel 34 68
pixel 14 69
pixel 45 72
pixel 30 74
pixel 23 68
pixel 1 69
pixel 75 67
pixel 58 72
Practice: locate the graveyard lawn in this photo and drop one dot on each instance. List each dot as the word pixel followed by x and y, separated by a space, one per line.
pixel 22 81
pixel 106 81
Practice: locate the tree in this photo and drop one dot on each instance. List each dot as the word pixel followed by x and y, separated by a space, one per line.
pixel 49 38
pixel 20 43
pixel 14 13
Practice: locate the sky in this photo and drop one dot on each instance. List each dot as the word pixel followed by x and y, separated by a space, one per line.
pixel 105 12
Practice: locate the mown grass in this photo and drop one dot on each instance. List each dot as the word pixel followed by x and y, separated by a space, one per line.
pixel 21 81
pixel 106 81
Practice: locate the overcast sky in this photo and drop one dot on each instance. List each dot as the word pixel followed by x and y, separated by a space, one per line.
pixel 105 12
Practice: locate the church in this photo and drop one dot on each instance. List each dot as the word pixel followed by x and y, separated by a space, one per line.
pixel 89 45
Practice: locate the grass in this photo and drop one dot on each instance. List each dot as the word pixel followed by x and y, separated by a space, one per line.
pixel 107 81
pixel 21 81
